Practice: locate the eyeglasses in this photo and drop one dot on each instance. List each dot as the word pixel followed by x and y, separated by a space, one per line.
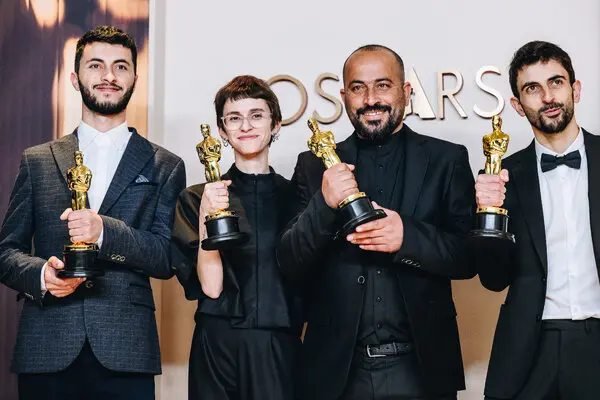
pixel 255 119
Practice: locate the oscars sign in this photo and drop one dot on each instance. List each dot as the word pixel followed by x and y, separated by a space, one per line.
pixel 420 103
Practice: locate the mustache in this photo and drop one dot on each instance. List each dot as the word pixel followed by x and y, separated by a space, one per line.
pixel 551 106
pixel 376 107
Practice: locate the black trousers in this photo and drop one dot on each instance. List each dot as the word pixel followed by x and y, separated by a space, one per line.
pixel 241 364
pixel 567 366
pixel 86 379
pixel 386 378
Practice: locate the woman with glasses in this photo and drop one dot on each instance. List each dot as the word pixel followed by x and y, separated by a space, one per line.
pixel 247 322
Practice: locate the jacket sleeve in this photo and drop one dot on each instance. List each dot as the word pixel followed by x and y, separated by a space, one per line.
pixel 309 233
pixel 19 270
pixel 441 249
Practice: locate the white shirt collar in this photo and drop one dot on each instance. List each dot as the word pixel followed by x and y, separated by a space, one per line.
pixel 119 136
pixel 578 144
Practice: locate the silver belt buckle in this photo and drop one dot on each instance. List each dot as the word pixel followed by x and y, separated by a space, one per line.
pixel 371 355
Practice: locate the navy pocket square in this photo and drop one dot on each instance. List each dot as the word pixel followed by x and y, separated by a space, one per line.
pixel 141 179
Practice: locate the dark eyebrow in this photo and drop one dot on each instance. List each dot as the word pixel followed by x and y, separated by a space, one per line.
pixel 556 77
pixel 356 81
pixel 257 109
pixel 375 81
pixel 121 60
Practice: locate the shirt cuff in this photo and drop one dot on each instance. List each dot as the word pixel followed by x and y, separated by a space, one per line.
pixel 43 281
pixel 100 239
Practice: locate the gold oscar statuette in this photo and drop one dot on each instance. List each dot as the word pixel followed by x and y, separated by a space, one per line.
pixel 222 226
pixel 79 258
pixel 354 210
pixel 492 222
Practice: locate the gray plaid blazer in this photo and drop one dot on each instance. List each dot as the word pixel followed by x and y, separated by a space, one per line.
pixel 114 312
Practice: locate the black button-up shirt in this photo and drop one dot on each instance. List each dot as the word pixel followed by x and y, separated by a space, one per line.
pixel 254 295
pixel 379 172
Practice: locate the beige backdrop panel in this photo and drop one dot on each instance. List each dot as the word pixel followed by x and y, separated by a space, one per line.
pixel 196 47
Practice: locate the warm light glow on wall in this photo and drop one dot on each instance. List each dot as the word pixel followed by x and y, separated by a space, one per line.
pixel 47 13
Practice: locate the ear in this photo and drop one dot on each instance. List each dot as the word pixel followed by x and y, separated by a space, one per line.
pixel 407 91
pixel 576 91
pixel 74 81
pixel 223 134
pixel 275 130
pixel 343 94
pixel 516 104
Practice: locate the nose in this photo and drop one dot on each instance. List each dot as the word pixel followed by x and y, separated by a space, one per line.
pixel 245 125
pixel 548 96
pixel 109 76
pixel 371 97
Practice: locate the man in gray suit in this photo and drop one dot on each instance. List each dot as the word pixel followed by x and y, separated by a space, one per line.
pixel 94 338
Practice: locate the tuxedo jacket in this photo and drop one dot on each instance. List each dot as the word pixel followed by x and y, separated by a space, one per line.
pixel 437 213
pixel 114 312
pixel 524 269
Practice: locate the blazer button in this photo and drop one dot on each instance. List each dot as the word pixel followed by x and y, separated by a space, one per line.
pixel 361 280
pixel 544 279
pixel 538 318
pixel 113 257
pixel 89 284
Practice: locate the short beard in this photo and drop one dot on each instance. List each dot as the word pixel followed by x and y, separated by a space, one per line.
pixel 375 131
pixel 104 108
pixel 555 125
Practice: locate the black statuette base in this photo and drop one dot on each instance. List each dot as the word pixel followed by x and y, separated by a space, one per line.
pixel 223 233
pixel 357 212
pixel 80 263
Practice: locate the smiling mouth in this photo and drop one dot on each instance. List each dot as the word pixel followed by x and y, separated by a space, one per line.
pixel 247 137
pixel 375 114
pixel 107 88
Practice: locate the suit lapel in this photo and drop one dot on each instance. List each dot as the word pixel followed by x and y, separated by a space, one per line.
pixel 63 151
pixel 592 151
pixel 527 187
pixel 417 160
pixel 136 156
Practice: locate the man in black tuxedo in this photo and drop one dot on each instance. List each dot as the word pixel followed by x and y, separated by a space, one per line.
pixel 381 320
pixel 547 342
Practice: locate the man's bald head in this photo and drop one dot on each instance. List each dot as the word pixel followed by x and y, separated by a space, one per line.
pixel 376 47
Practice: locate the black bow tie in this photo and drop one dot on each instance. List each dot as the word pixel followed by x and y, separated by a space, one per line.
pixel 548 162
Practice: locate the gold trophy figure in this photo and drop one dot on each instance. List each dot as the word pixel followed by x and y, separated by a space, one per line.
pixel 209 152
pixel 80 257
pixel 492 222
pixel 222 227
pixel 354 210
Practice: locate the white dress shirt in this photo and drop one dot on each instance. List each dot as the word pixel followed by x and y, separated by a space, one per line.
pixel 573 287
pixel 102 153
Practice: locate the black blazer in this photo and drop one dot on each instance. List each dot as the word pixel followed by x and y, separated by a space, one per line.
pixel 115 312
pixel 437 213
pixel 525 269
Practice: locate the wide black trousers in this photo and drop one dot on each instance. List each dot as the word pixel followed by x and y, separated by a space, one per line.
pixel 241 364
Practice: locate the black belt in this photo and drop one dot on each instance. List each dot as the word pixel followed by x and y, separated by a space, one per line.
pixel 388 349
